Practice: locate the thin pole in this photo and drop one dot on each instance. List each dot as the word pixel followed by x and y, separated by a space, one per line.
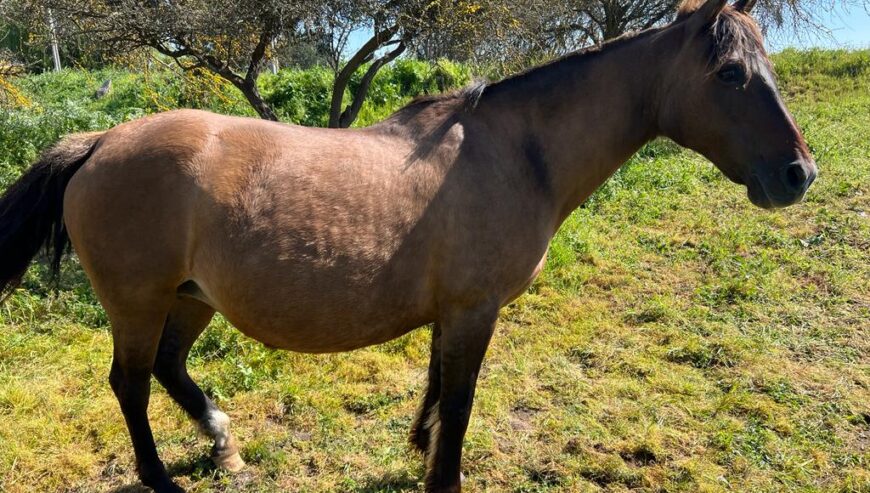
pixel 55 51
pixel 273 61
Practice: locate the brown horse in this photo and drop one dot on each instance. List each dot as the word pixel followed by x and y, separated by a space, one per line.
pixel 322 240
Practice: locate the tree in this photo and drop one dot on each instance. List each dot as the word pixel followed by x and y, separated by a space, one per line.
pixel 502 35
pixel 595 21
pixel 233 39
pixel 227 37
pixel 600 20
pixel 27 47
pixel 517 33
pixel 391 25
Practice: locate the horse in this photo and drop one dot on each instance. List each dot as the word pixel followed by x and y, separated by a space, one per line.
pixel 325 240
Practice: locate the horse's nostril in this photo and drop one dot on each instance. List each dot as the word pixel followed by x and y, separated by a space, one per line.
pixel 796 176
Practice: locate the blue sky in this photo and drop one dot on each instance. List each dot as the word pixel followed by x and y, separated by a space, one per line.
pixel 849 28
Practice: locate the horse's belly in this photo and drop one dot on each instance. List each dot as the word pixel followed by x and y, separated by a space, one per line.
pixel 317 336
pixel 304 308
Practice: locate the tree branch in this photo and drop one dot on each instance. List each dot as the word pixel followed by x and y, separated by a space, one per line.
pixel 348 116
pixel 342 79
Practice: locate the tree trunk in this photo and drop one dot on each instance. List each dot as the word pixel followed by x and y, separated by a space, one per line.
pixel 273 60
pixel 613 26
pixel 55 50
pixel 252 94
pixel 348 116
pixel 338 87
pixel 342 79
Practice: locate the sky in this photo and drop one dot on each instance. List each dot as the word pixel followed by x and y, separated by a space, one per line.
pixel 848 29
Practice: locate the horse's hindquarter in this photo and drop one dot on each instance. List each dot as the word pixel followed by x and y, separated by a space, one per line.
pixel 315 240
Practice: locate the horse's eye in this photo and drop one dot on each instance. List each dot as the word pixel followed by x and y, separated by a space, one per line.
pixel 732 75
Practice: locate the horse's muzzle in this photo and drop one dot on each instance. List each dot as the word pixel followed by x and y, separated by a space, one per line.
pixel 782 187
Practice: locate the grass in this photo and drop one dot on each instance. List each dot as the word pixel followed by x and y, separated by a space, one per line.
pixel 679 340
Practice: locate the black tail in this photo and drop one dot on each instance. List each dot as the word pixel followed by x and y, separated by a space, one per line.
pixel 31 210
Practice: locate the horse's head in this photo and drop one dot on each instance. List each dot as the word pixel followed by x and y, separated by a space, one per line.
pixel 720 99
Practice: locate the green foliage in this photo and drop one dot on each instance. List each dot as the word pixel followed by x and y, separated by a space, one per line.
pixel 414 77
pixel 839 64
pixel 300 96
pixel 23 134
pixel 65 101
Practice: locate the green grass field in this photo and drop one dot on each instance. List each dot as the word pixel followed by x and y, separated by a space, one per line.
pixel 679 340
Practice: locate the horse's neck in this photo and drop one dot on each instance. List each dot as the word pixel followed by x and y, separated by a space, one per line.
pixel 583 116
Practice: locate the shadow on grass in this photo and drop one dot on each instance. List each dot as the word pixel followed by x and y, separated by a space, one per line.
pixel 131 488
pixel 389 483
pixel 202 467
pixel 195 468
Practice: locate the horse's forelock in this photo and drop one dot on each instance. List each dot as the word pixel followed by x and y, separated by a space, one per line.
pixel 737 38
pixel 736 34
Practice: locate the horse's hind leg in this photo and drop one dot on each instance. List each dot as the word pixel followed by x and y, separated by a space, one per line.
pixel 465 335
pixel 427 413
pixel 136 330
pixel 186 321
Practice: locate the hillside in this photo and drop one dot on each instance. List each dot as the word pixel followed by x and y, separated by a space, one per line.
pixel 679 339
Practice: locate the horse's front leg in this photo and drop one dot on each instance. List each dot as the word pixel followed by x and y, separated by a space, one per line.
pixel 465 335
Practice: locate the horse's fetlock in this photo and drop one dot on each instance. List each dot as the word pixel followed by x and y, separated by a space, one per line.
pixel 436 484
pixel 216 424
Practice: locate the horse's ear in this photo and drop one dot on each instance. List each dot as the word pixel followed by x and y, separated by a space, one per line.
pixel 711 9
pixel 745 6
pixel 700 13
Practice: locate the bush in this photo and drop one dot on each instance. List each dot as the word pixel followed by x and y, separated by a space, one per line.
pixel 24 133
pixel 840 64
pixel 414 77
pixel 300 96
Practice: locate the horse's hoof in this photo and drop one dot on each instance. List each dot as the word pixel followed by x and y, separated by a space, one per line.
pixel 232 462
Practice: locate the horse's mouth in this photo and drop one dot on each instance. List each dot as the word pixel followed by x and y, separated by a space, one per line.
pixel 761 196
pixel 757 193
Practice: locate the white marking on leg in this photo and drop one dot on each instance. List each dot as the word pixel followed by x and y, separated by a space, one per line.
pixel 216 425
